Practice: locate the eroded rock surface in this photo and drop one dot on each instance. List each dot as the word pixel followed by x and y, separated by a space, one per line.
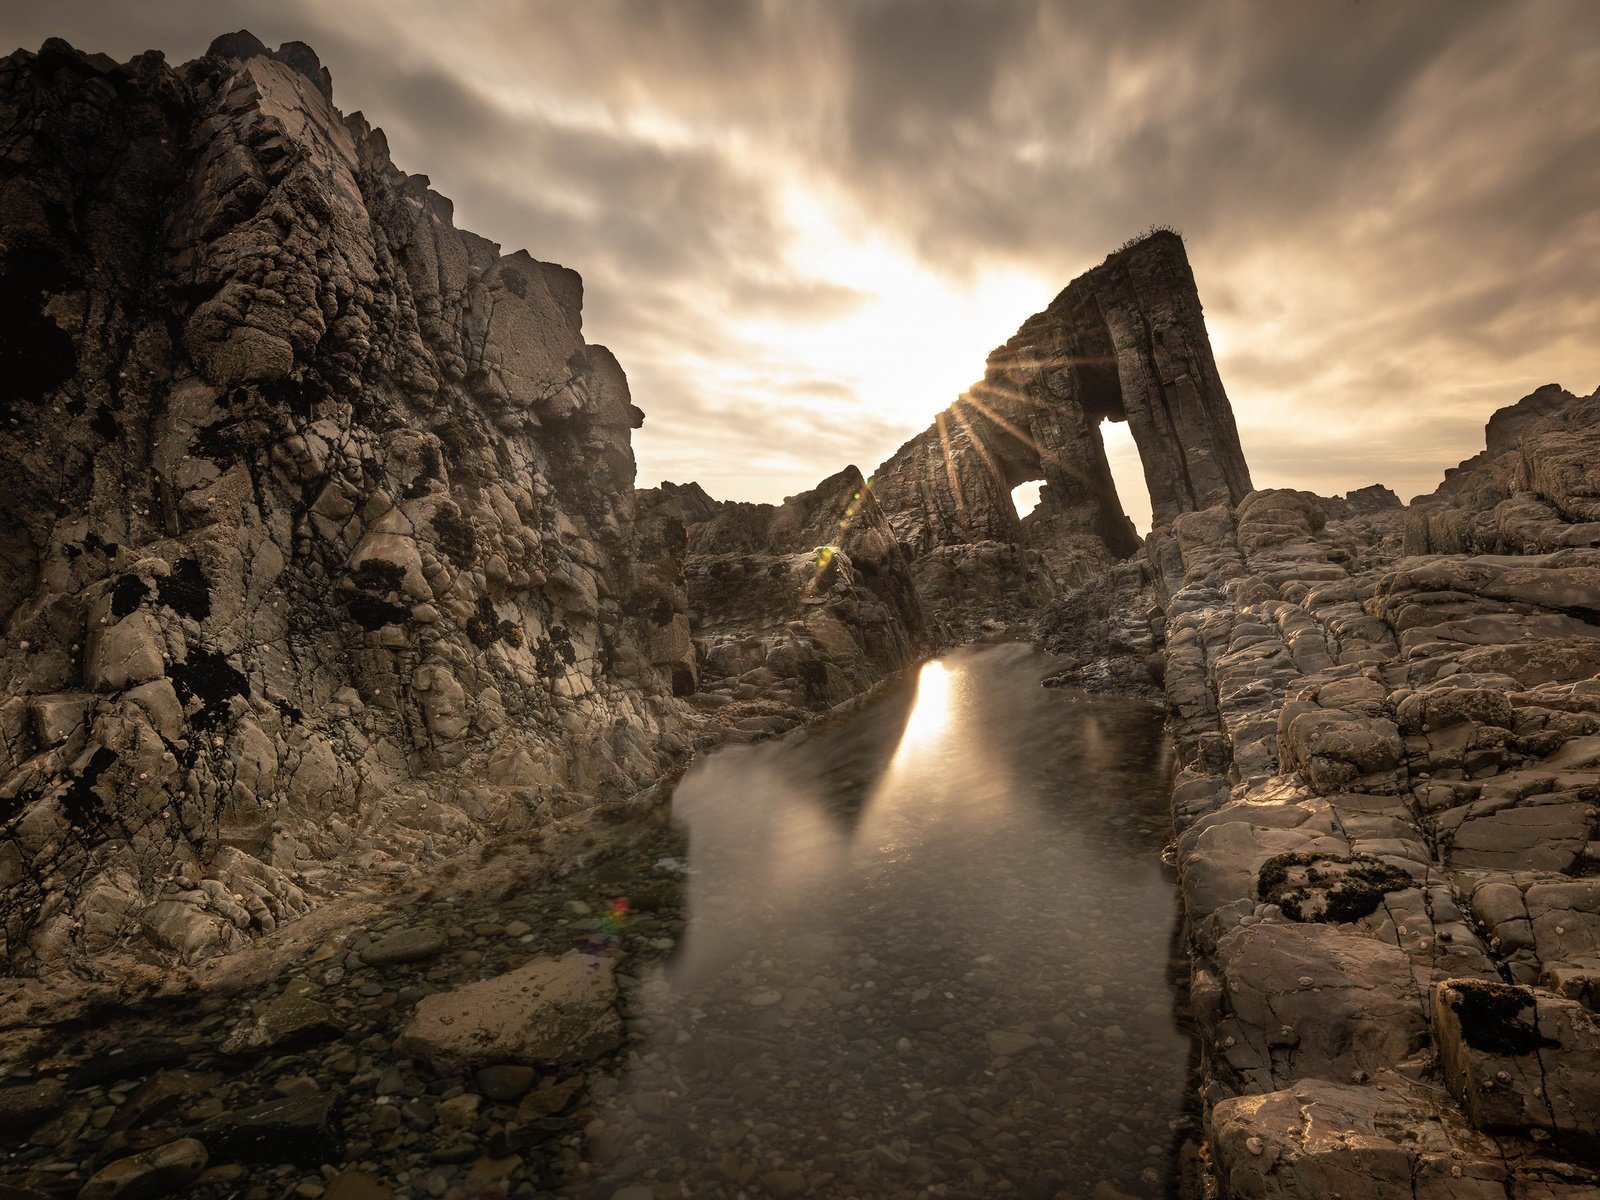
pixel 319 540
pixel 798 606
pixel 1388 813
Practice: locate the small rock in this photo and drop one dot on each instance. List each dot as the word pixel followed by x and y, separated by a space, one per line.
pixel 459 1111
pixel 403 946
pixel 783 1184
pixel 550 1099
pixel 1004 1043
pixel 489 1171
pixel 356 1185
pixel 505 1083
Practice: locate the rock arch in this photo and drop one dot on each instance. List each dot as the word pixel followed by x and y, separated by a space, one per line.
pixel 1125 342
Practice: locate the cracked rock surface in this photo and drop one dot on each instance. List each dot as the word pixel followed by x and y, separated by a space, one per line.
pixel 1388 819
pixel 319 543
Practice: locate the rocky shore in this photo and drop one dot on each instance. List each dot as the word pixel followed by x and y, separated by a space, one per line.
pixel 343 668
pixel 1387 825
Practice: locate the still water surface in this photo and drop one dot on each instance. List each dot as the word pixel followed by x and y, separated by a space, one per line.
pixel 928 953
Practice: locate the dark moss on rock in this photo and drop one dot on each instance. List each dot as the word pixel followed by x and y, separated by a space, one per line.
pixel 208 677
pixel 186 591
pixel 373 614
pixel 1328 888
pixel 127 594
pixel 376 575
pixel 1491 1016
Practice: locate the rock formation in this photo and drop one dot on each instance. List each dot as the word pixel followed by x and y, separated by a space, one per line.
pixel 321 557
pixel 1531 489
pixel 318 541
pixel 1123 342
pixel 802 604
pixel 1388 825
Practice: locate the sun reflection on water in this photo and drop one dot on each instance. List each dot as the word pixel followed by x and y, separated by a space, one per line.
pixel 930 717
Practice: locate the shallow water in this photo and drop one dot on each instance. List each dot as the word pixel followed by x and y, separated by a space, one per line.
pixel 928 952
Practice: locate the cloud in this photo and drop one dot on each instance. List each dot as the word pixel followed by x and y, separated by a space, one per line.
pixel 1389 208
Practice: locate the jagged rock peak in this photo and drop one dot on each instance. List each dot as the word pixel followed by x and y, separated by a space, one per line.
pixel 299 56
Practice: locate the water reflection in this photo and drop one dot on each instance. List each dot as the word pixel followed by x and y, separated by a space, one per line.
pixel 926 955
pixel 930 711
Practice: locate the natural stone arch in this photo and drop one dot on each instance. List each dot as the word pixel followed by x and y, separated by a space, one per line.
pixel 1124 342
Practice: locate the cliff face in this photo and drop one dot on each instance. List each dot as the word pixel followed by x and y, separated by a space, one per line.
pixel 1387 825
pixel 318 539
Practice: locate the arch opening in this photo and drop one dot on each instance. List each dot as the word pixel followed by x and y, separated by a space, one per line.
pixel 1025 497
pixel 1127 472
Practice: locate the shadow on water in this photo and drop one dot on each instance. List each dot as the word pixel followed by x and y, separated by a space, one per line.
pixel 928 953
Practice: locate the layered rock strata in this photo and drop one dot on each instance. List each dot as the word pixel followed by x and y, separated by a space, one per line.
pixel 319 544
pixel 1388 813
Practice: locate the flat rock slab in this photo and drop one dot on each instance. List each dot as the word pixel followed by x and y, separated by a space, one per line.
pixel 297 1129
pixel 404 946
pixel 1312 999
pixel 551 1010
pixel 288 1023
pixel 26 1104
pixel 156 1172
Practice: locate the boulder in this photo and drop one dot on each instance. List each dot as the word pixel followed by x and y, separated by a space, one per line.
pixel 551 1010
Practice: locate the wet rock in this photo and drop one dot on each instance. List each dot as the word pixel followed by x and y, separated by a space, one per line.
pixel 163 1092
pixel 133 1060
pixel 784 1184
pixel 404 946
pixel 297 1129
pixel 356 1185
pixel 505 1083
pixel 288 1023
pixel 550 1098
pixel 551 1010
pixel 158 1172
pixel 24 1105
pixel 1006 1044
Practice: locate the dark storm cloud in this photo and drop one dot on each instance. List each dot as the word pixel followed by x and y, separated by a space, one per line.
pixel 1390 207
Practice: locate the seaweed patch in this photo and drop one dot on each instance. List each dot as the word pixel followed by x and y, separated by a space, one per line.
pixel 1328 888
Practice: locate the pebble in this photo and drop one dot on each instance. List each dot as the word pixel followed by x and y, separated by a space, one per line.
pixel 1007 1044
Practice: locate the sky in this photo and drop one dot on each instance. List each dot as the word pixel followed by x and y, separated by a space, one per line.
pixel 802 224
